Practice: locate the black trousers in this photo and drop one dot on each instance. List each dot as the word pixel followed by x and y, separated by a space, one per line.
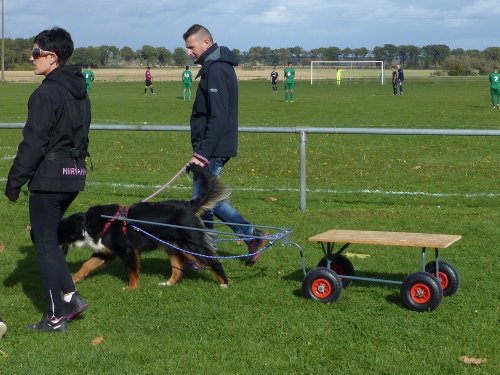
pixel 46 211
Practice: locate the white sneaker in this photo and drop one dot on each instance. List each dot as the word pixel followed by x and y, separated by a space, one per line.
pixel 3 328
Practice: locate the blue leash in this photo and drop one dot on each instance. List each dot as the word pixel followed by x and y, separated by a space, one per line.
pixel 269 244
pixel 272 238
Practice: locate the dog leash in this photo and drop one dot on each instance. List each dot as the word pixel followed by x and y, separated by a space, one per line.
pixel 271 239
pixel 165 186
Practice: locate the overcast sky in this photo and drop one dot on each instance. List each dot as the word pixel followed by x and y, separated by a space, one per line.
pixel 242 24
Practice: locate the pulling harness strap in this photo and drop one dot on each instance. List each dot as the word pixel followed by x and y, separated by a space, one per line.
pixel 121 213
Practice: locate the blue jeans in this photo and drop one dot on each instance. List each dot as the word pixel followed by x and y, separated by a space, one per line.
pixel 223 210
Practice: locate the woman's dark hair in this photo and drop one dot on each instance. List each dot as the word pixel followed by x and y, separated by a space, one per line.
pixel 56 40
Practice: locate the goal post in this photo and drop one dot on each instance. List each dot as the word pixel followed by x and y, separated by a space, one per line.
pixel 352 71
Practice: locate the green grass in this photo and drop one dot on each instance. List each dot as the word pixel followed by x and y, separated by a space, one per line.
pixel 262 324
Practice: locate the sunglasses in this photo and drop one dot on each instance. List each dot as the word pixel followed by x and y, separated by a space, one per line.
pixel 37 53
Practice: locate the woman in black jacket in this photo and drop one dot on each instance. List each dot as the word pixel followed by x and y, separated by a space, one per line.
pixel 51 158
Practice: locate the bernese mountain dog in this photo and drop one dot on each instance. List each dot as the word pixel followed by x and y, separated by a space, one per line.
pixel 183 229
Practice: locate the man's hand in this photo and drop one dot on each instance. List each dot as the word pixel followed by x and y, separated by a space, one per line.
pixel 196 161
pixel 199 160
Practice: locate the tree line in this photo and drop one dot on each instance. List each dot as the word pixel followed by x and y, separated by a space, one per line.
pixel 433 56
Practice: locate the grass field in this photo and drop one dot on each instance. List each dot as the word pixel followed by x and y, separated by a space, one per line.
pixel 262 324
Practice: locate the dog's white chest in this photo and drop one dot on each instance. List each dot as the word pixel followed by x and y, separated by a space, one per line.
pixel 97 247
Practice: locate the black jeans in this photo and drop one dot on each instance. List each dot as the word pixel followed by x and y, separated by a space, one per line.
pixel 46 211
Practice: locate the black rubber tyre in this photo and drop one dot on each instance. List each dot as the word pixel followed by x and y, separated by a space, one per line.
pixel 341 265
pixel 421 292
pixel 322 285
pixel 448 276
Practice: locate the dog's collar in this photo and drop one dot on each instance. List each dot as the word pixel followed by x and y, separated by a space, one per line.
pixel 122 212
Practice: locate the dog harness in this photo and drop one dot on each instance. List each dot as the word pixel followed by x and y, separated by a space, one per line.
pixel 122 212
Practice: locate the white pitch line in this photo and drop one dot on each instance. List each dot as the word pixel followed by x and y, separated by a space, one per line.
pixel 294 190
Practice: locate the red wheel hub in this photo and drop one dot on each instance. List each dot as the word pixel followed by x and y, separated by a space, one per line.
pixel 321 288
pixel 443 278
pixel 420 293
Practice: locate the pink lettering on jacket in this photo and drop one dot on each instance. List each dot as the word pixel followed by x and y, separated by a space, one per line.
pixel 74 171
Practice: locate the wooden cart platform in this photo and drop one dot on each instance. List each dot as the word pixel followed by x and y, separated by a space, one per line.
pixel 427 240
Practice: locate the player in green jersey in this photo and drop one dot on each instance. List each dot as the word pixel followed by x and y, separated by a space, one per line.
pixel 289 83
pixel 187 81
pixel 495 88
pixel 89 78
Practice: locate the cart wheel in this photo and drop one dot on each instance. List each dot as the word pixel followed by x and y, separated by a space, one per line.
pixel 341 265
pixel 448 276
pixel 322 285
pixel 421 292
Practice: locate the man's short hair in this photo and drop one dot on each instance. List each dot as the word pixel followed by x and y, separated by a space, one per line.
pixel 56 40
pixel 200 30
pixel 187 67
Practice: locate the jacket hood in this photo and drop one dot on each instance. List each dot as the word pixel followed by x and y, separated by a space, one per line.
pixel 216 54
pixel 70 77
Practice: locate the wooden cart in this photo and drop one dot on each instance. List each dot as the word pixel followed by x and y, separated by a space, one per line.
pixel 420 291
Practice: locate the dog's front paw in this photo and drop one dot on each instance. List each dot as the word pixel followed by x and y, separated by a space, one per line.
pixel 223 285
pixel 165 283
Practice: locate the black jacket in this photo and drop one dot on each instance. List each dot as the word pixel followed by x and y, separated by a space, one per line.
pixel 214 120
pixel 52 153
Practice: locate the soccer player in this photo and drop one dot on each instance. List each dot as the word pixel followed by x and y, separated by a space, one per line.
pixel 495 88
pixel 274 80
pixel 187 81
pixel 339 76
pixel 289 83
pixel 149 81
pixel 395 81
pixel 89 78
pixel 401 78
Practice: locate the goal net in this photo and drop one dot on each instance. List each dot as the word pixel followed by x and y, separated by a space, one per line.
pixel 350 71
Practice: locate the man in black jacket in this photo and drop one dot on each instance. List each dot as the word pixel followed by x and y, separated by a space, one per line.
pixel 51 158
pixel 214 126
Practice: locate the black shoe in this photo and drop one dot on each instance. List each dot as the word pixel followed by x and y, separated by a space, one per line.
pixel 50 325
pixel 75 307
pixel 256 246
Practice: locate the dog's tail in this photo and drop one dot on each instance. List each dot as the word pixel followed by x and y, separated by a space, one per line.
pixel 213 190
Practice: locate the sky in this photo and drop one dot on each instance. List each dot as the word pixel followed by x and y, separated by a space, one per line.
pixel 275 24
